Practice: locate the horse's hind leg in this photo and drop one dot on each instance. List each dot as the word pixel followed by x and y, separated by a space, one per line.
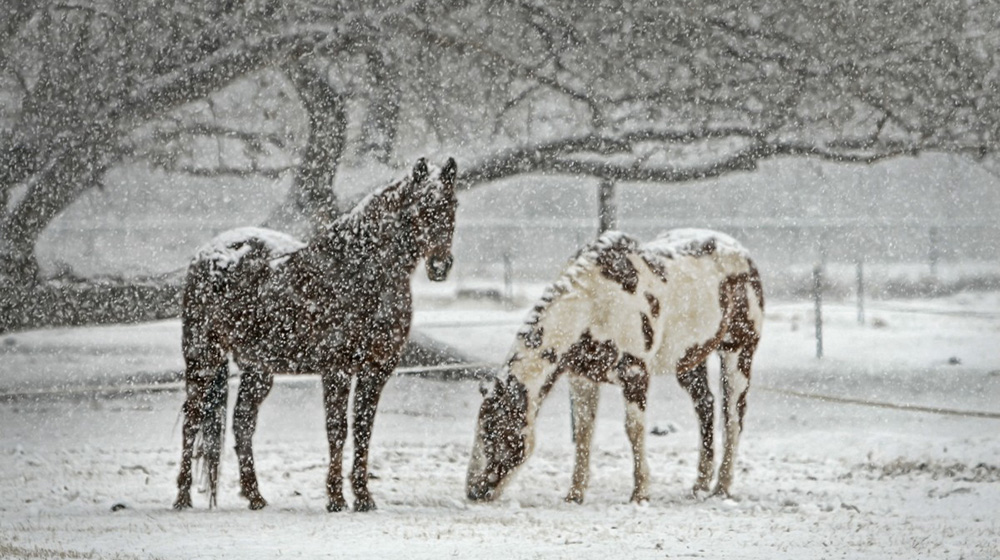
pixel 735 384
pixel 336 390
pixel 254 387
pixel 204 412
pixel 213 426
pixel 585 393
pixel 195 387
pixel 367 392
pixel 695 382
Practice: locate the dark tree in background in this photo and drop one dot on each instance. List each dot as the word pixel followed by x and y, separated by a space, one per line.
pixel 611 90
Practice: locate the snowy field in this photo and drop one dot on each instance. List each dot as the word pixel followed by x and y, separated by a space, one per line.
pixel 87 470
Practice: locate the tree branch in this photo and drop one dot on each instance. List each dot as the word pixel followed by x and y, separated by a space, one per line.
pixel 558 156
pixel 514 67
pixel 221 68
pixel 81 158
pixel 254 140
pixel 542 157
pixel 17 13
pixel 223 171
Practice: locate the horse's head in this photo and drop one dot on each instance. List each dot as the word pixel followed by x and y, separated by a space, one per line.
pixel 502 439
pixel 434 206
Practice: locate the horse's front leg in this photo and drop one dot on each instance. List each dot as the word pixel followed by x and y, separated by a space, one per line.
pixel 635 386
pixel 254 387
pixel 366 396
pixel 336 389
pixel 584 395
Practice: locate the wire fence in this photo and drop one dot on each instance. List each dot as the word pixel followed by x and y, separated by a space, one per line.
pixel 477 370
pixel 536 248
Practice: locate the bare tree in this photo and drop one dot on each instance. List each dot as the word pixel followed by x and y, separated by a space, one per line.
pixel 88 77
pixel 620 91
pixel 633 91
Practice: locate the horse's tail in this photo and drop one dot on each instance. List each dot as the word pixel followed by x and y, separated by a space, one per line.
pixel 213 428
pixel 207 373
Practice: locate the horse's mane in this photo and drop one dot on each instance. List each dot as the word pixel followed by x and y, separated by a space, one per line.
pixel 585 259
pixel 372 209
pixel 385 202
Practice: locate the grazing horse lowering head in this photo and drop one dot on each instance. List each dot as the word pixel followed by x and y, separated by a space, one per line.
pixel 620 312
pixel 502 438
pixel 433 204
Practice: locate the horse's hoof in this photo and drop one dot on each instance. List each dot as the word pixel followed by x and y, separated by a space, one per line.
pixel 639 499
pixel 699 491
pixel 721 492
pixel 257 503
pixel 334 506
pixel 574 498
pixel 362 506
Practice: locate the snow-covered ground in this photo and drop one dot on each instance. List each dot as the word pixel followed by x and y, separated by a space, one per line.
pixel 85 474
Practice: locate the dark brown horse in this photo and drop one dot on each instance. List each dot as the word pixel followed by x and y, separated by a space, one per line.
pixel 339 306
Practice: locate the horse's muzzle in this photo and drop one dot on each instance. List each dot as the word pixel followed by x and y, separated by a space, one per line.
pixel 480 493
pixel 438 267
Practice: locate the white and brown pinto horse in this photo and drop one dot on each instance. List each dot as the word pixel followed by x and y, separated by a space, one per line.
pixel 339 306
pixel 623 311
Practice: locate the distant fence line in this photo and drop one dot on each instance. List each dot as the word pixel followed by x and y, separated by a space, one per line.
pixel 539 247
pixel 535 248
pixel 467 371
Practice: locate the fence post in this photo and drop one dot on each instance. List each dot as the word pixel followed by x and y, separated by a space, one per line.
pixel 606 211
pixel 932 252
pixel 508 278
pixel 606 220
pixel 818 303
pixel 861 291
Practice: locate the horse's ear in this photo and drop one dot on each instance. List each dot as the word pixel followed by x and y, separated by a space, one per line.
pixel 449 171
pixel 420 171
pixel 517 397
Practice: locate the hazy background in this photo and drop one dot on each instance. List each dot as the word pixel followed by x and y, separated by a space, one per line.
pixel 791 214
pixel 819 132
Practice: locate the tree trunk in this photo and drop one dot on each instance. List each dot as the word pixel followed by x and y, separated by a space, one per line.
pixel 378 135
pixel 78 167
pixel 53 188
pixel 312 194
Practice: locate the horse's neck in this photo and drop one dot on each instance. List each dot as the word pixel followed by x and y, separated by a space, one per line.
pixel 382 249
pixel 549 333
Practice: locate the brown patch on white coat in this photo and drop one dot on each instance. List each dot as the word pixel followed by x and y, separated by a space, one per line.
pixel 698 293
